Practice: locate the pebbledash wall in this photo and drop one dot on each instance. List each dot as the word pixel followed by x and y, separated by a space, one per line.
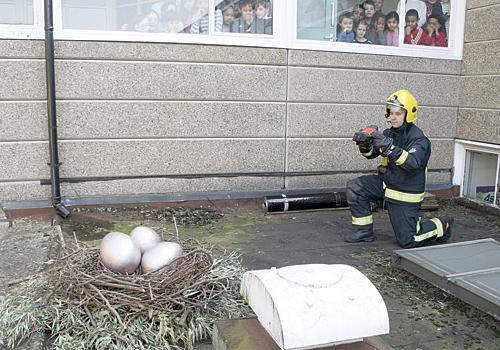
pixel 479 111
pixel 131 115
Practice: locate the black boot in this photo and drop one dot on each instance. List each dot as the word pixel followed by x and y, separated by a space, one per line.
pixel 447 221
pixel 361 235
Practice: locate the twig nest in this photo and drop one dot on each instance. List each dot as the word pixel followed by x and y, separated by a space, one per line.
pixel 160 256
pixel 144 238
pixel 119 253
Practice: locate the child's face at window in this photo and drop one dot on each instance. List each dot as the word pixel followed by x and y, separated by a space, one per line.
pixel 358 14
pixel 361 31
pixel 202 6
pixel 392 24
pixel 378 4
pixel 369 11
pixel 247 13
pixel 346 24
pixel 260 11
pixel 380 26
pixel 412 21
pixel 434 23
pixel 228 16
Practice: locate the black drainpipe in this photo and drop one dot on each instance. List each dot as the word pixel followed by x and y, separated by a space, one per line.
pixel 51 111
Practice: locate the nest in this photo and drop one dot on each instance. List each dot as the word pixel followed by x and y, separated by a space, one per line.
pixel 84 305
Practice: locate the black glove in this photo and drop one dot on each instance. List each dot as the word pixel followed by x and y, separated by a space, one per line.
pixel 382 143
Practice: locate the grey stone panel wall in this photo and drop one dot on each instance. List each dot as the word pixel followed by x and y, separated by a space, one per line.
pixel 22 79
pixel 22 121
pixel 169 185
pixel 481 23
pixel 481 3
pixel 479 100
pixel 161 119
pixel 98 80
pixel 22 49
pixel 339 180
pixel 342 154
pixel 342 120
pixel 23 161
pixel 365 86
pixel 479 125
pixel 147 157
pixel 24 191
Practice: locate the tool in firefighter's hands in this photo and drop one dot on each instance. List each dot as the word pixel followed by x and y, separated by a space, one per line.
pixel 363 137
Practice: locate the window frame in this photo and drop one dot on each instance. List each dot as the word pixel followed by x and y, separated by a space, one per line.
pixel 26 31
pixel 284 34
pixel 461 149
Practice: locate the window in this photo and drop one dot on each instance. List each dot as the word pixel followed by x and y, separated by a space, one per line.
pixel 481 177
pixel 477 168
pixel 16 12
pixel 433 28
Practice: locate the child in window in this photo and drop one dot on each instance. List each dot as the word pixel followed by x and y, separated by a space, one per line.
pixel 248 22
pixel 433 8
pixel 376 33
pixel 369 7
pixel 379 4
pixel 262 9
pixel 228 18
pixel 413 33
pixel 360 37
pixel 358 14
pixel 392 31
pixel 199 24
pixel 435 37
pixel 346 34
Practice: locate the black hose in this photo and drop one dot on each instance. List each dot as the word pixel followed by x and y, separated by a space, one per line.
pixel 285 202
pixel 51 111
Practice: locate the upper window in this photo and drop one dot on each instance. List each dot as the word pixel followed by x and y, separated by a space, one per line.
pixel 430 28
pixel 16 12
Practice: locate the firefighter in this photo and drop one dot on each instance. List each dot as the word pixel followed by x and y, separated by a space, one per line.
pixel 405 151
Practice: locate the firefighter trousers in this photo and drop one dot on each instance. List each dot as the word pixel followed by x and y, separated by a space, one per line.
pixel 405 218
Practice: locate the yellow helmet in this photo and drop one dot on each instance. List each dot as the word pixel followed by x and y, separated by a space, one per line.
pixel 405 100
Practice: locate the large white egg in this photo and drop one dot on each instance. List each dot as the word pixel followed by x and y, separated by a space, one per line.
pixel 160 256
pixel 119 253
pixel 144 238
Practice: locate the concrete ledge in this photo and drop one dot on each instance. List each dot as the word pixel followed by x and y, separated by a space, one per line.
pixel 248 334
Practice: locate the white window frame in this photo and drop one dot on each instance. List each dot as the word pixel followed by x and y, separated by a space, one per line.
pixel 26 31
pixel 284 34
pixel 461 148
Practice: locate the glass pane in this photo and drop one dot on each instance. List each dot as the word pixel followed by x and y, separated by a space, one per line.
pixel 427 23
pixel 497 201
pixel 153 16
pixel 480 176
pixel 351 21
pixel 16 12
pixel 244 16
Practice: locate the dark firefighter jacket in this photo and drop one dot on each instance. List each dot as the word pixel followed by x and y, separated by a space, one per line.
pixel 405 175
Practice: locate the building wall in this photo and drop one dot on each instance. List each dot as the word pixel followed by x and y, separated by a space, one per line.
pixel 136 118
pixel 478 115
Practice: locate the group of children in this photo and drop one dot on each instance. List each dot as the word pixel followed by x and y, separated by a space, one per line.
pixel 192 16
pixel 426 23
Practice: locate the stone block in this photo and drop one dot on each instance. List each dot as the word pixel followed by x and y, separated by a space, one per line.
pixel 342 120
pixel 163 157
pixel 480 92
pixel 337 181
pixel 138 119
pixel 308 58
pixel 170 186
pixel 330 85
pixel 166 52
pixel 23 121
pixel 22 49
pixel 478 24
pixel 326 155
pixel 481 58
pixel 24 160
pixel 478 125
pixel 169 81
pixel 471 4
pixel 22 80
pixel 24 191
